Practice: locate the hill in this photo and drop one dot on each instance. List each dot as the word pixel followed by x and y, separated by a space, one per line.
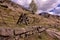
pixel 13 15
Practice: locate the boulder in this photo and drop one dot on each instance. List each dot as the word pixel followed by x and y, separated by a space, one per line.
pixel 40 30
pixel 6 32
pixel 28 28
pixel 19 31
pixel 53 33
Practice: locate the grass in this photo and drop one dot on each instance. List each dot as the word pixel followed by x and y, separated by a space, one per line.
pixel 33 20
pixel 21 25
pixel 45 36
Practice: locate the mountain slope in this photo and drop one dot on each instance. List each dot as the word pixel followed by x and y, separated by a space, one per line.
pixel 13 15
pixel 11 12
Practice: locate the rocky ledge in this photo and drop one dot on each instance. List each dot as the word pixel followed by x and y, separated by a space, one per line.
pixel 17 33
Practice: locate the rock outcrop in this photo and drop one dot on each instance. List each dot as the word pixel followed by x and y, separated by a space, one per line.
pixel 11 13
pixel 53 33
pixel 6 31
pixel 16 33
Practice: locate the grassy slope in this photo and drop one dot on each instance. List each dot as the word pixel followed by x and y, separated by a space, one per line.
pixel 8 18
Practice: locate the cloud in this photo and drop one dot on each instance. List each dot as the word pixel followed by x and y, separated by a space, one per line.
pixel 47 5
pixel 24 3
pixel 38 11
pixel 57 10
pixel 42 6
pixel 58 5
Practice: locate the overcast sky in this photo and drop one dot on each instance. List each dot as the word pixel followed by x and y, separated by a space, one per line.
pixel 24 3
pixel 42 5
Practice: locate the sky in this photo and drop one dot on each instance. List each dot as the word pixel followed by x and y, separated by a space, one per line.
pixel 24 3
pixel 56 10
pixel 52 6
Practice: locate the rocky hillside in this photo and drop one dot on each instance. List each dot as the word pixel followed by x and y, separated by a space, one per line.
pixel 13 15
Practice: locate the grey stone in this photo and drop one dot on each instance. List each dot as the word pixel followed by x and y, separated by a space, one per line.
pixel 53 33
pixel 9 38
pixel 19 31
pixel 6 32
pixel 42 29
pixel 17 37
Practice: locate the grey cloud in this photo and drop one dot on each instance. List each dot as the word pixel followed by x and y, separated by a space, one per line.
pixel 24 3
pixel 41 6
pixel 46 6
